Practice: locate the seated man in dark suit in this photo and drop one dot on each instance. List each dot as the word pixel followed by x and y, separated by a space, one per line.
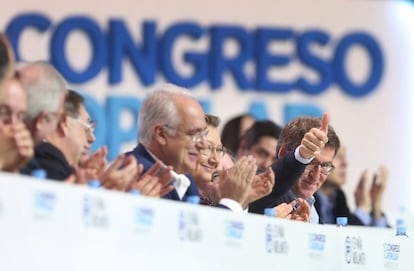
pixel 331 201
pixel 172 129
pixel 61 150
pixel 324 143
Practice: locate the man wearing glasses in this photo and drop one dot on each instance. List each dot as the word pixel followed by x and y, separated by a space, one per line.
pixel 61 150
pixel 16 144
pixel 172 130
pixel 296 133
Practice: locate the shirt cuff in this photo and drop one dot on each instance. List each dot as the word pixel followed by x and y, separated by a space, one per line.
pixel 363 216
pixel 232 205
pixel 379 222
pixel 299 158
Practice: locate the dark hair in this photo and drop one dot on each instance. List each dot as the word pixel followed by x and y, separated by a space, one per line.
pixel 260 129
pixel 212 120
pixel 73 102
pixel 293 132
pixel 6 57
pixel 230 135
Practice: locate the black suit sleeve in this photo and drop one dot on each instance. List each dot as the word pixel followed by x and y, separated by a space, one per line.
pixel 287 171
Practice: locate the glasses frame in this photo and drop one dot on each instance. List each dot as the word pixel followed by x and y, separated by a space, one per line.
pixel 208 151
pixel 195 137
pixel 90 125
pixel 326 167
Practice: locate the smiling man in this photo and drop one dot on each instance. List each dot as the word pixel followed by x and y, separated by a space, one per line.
pixel 172 130
pixel 316 172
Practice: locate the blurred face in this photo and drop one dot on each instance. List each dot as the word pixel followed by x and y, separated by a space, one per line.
pixel 13 102
pixel 48 124
pixel 264 151
pixel 338 176
pixel 209 158
pixel 182 150
pixel 313 176
pixel 80 135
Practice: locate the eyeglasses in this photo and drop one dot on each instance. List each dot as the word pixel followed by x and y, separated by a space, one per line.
pixel 195 136
pixel 6 114
pixel 326 168
pixel 90 125
pixel 220 151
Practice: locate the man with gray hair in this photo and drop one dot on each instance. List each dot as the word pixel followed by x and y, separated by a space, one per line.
pixel 46 91
pixel 172 130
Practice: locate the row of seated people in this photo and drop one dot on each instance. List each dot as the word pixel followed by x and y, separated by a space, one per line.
pixel 44 125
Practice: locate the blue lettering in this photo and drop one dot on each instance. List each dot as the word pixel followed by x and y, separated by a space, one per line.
pixel 99 48
pixel 17 25
pixel 121 44
pixel 307 58
pixel 198 60
pixel 157 55
pixel 220 63
pixel 377 64
pixel 265 60
pixel 115 133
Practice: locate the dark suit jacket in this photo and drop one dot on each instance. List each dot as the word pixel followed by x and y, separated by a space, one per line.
pixel 287 171
pixel 143 157
pixel 340 209
pixel 51 159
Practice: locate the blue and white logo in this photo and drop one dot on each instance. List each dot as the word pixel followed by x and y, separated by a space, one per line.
pixel 269 238
pixel 44 201
pixel 275 241
pixel 234 230
pixel 348 250
pixel 392 256
pixel 354 250
pixel 233 233
pixel 391 252
pixel 144 216
pixel 143 219
pixel 317 241
pixel 94 212
pixel 316 245
pixel 44 204
pixel 189 228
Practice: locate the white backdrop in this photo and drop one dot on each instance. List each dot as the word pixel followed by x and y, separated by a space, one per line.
pixel 377 128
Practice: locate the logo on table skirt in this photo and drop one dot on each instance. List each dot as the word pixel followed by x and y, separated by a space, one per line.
pixel 316 244
pixel 354 250
pixel 189 228
pixel 44 204
pixel 94 212
pixel 275 241
pixel 143 219
pixel 233 231
pixel 316 241
pixel 391 256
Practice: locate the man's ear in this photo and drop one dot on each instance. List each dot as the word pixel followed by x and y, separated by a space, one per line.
pixel 282 151
pixel 41 121
pixel 160 135
pixel 63 126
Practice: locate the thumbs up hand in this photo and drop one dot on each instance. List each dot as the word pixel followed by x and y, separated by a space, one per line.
pixel 314 141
